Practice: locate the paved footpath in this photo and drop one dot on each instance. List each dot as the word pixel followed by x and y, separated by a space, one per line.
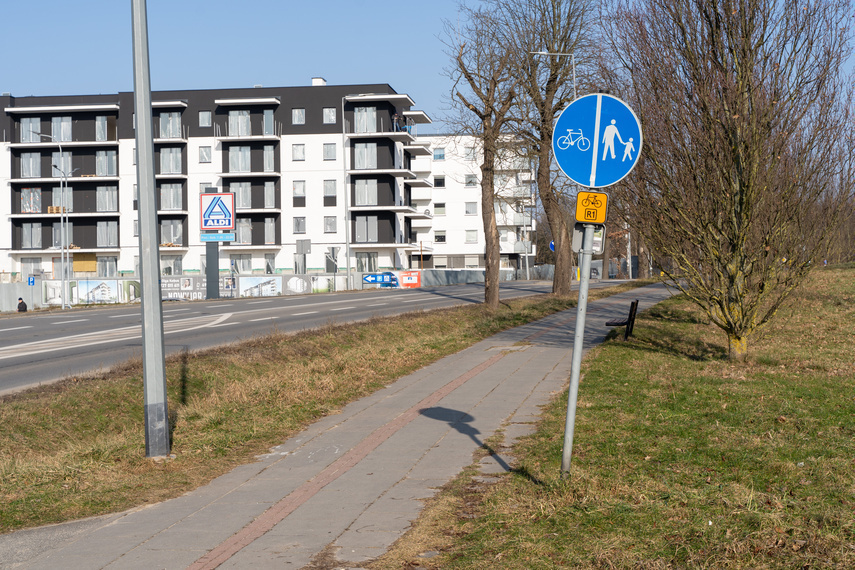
pixel 342 491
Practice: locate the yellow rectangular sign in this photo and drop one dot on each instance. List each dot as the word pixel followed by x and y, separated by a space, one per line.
pixel 592 207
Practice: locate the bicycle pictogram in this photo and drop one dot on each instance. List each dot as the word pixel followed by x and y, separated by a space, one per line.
pixel 571 138
pixel 592 201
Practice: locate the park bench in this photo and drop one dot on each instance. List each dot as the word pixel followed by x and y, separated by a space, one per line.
pixel 628 322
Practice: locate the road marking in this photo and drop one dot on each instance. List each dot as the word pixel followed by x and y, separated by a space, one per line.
pixel 218 306
pixel 17 328
pixel 102 337
pixel 175 311
pixel 124 316
pixel 301 314
pixel 264 319
pixel 257 302
pixel 342 309
pixel 377 305
pixel 221 325
pixel 74 321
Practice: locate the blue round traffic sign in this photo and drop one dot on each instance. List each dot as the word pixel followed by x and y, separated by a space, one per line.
pixel 597 140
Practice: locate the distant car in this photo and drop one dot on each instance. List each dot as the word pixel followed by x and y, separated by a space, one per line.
pixel 389 280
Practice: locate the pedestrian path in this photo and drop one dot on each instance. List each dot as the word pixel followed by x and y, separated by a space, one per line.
pixel 352 483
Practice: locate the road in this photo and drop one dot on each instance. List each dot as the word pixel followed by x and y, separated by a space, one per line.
pixel 38 348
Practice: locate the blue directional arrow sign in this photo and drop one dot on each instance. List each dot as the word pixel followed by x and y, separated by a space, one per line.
pixel 376 278
pixel 597 140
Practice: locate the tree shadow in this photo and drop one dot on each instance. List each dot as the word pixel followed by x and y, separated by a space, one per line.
pixel 461 422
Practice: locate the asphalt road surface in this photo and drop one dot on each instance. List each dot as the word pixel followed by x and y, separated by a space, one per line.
pixel 38 348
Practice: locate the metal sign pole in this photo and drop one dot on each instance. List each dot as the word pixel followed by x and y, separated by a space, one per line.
pixel 578 342
pixel 154 369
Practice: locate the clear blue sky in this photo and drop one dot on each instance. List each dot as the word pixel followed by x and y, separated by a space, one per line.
pixel 81 47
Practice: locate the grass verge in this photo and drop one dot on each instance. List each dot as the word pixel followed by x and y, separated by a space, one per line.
pixel 681 458
pixel 77 448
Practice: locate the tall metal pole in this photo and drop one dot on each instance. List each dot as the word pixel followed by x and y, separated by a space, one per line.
pixel 63 234
pixel 585 254
pixel 154 369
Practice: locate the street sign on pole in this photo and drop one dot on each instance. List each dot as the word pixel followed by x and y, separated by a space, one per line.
pixel 597 140
pixel 598 244
pixel 218 211
pixel 217 237
pixel 596 162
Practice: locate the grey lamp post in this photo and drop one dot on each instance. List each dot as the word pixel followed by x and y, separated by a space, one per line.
pixel 63 220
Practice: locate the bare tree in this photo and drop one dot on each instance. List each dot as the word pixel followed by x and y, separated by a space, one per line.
pixel 546 84
pixel 482 87
pixel 748 151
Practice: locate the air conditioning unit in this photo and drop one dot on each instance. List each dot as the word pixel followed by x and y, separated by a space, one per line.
pixel 427 212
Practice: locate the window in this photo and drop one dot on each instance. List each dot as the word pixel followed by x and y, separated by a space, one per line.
pixel 170 197
pixel 365 155
pixel 471 180
pixel 365 119
pixel 205 119
pixel 366 262
pixel 31 236
pixel 298 152
pixel 105 162
pixel 440 262
pixel 471 261
pixel 329 189
pixel 101 128
pixel 60 164
pixel 56 199
pixel 239 124
pixel 439 236
pixel 439 154
pixel 300 225
pixel 136 228
pixel 243 194
pixel 171 231
pixel 106 266
pixel 207 188
pixel 243 231
pixel 242 262
pixel 57 234
pixel 170 265
pixel 439 209
pixel 270 263
pixel 439 181
pixel 60 128
pixel 298 116
pixel 270 230
pixel 267 122
pixel 366 193
pixel 107 234
pixel 204 154
pixel 170 125
pixel 471 208
pixel 170 160
pixel 269 194
pixel 329 115
pixel 329 224
pixel 239 159
pixel 107 198
pixel 31 266
pixel 30 127
pixel 503 235
pixel 469 153
pixel 471 236
pixel 366 229
pixel 329 151
pixel 299 188
pixel 31 200
pixel 31 165
pixel 269 158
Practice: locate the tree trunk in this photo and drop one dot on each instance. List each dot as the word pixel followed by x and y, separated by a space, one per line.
pixel 557 224
pixel 491 230
pixel 737 346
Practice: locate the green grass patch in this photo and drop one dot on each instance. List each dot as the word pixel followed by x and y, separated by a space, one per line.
pixel 681 458
pixel 77 448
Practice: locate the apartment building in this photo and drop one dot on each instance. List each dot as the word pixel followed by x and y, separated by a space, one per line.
pixel 325 179
pixel 455 231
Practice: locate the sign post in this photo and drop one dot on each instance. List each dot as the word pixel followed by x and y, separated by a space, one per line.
pixel 217 213
pixel 610 123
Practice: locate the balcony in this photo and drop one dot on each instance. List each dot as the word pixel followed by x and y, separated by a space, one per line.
pixel 382 171
pixel 65 144
pixel 513 219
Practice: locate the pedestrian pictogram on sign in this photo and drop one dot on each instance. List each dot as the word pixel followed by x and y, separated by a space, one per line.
pixel 592 207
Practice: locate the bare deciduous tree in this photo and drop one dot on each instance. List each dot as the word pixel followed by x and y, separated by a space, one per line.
pixel 482 87
pixel 748 150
